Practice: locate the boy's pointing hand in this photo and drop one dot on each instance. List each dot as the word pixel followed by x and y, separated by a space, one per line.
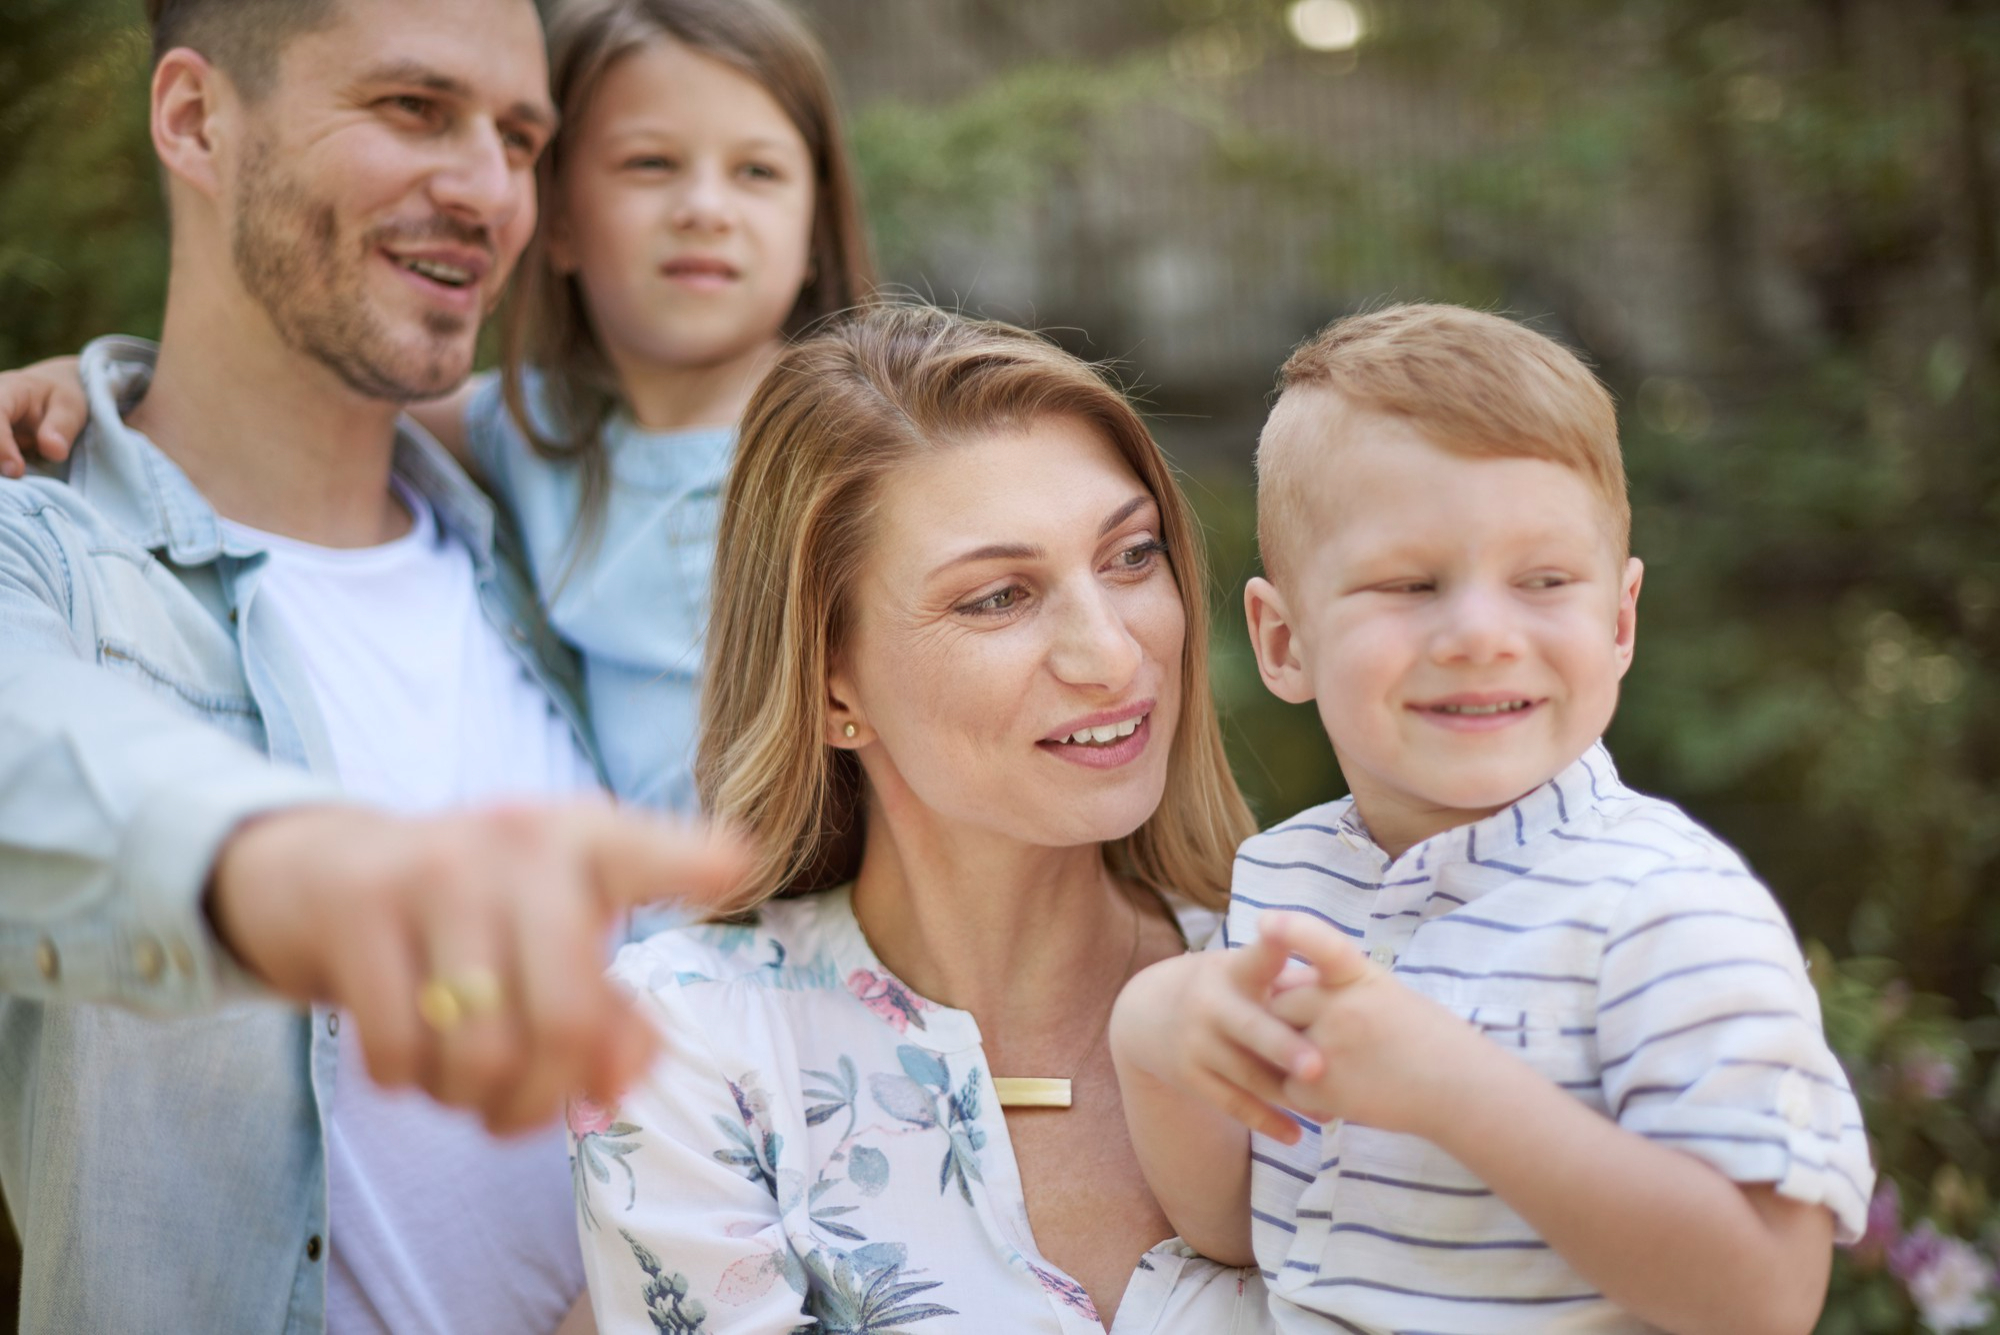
pixel 1201 1023
pixel 1392 1058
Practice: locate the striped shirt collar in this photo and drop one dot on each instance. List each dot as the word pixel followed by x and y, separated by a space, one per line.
pixel 1555 806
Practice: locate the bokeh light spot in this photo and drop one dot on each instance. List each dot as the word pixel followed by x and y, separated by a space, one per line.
pixel 1326 25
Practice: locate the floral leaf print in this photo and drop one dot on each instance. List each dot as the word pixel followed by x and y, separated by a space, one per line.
pixel 756 1156
pixel 1066 1289
pixel 727 938
pixel 851 1299
pixel 903 1099
pixel 827 1216
pixel 666 1295
pixel 600 1140
pixel 877 1256
pixel 752 1277
pixel 757 1145
pixel 961 1165
pixel 884 1303
pixel 748 1277
pixel 868 1170
pixel 828 1224
pixel 966 1106
pixel 961 1157
pixel 888 999
pixel 837 1092
pixel 926 1068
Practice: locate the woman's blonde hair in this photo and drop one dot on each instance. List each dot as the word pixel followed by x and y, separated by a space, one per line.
pixel 836 417
pixel 546 326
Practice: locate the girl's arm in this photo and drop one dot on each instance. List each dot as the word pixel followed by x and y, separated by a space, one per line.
pixel 45 407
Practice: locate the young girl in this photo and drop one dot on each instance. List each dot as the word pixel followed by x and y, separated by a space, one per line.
pixel 698 209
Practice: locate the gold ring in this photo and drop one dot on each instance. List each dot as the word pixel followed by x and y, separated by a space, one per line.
pixel 446 1003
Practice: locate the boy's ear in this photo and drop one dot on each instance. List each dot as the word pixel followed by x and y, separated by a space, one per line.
pixel 1280 657
pixel 1627 633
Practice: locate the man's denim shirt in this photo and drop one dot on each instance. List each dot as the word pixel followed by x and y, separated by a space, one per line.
pixel 162 1118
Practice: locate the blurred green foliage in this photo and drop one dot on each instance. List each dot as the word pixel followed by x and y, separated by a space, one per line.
pixel 82 222
pixel 1808 366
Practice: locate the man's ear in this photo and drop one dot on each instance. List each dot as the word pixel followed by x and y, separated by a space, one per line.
pixel 191 101
pixel 1280 657
pixel 1627 633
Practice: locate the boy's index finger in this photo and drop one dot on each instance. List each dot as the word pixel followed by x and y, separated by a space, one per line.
pixel 1255 967
pixel 1336 959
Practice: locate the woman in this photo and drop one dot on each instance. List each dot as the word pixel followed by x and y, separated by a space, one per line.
pixel 958 702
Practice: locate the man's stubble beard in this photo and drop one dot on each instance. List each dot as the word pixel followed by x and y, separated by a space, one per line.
pixel 289 256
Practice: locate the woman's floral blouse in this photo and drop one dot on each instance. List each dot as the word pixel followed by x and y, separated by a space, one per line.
pixel 820 1150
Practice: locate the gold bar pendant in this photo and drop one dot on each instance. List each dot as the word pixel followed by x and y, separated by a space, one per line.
pixel 1031 1091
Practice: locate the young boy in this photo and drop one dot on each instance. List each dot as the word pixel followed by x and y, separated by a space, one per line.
pixel 1560 1065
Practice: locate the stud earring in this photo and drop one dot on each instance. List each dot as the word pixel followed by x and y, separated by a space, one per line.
pixel 848 731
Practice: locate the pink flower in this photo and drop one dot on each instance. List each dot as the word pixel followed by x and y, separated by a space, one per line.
pixel 1885 1226
pixel 888 999
pixel 1948 1279
pixel 588 1119
pixel 1927 1075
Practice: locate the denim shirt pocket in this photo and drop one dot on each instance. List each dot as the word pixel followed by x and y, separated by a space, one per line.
pixel 151 631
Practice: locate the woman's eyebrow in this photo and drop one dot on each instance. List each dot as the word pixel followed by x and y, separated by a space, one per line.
pixel 1017 551
pixel 998 551
pixel 1124 512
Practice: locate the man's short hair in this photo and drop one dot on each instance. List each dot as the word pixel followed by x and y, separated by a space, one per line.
pixel 1474 384
pixel 242 38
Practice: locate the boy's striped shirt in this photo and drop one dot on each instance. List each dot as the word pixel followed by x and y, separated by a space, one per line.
pixel 1622 951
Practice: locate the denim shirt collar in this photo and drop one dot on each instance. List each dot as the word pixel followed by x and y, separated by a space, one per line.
pixel 136 486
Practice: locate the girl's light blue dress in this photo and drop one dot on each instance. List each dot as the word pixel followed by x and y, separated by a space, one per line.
pixel 633 603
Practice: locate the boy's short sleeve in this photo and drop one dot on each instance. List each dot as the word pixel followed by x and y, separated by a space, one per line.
pixel 1709 1040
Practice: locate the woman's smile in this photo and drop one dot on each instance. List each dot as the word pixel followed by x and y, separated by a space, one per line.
pixel 1104 740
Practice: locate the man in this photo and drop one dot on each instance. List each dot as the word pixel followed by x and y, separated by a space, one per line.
pixel 257 604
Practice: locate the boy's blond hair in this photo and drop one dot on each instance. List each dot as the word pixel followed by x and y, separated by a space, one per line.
pixel 1472 383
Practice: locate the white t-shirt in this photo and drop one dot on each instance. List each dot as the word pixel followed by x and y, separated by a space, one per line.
pixel 433 1224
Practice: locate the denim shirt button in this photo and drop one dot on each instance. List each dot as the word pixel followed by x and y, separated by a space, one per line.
pixel 313 1247
pixel 149 959
pixel 333 1024
pixel 47 960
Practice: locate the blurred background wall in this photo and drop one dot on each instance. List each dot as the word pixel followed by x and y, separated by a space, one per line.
pixel 1772 225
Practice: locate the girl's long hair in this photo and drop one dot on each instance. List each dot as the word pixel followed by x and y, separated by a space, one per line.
pixel 546 326
pixel 832 421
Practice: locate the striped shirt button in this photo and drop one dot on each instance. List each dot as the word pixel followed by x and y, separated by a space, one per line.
pixel 149 959
pixel 1794 1099
pixel 1383 956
